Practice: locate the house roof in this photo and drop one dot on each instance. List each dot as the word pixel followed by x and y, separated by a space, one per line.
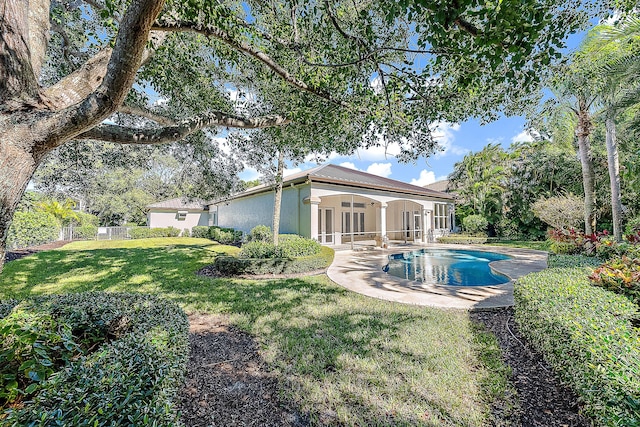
pixel 442 185
pixel 340 175
pixel 179 203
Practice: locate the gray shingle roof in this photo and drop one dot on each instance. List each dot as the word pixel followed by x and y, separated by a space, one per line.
pixel 340 175
pixel 179 203
pixel 438 185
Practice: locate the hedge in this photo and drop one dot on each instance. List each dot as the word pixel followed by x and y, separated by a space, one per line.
pixel 462 240
pixel 290 246
pixel 232 266
pixel 31 229
pixel 144 232
pixel 588 335
pixel 130 375
pixel 224 236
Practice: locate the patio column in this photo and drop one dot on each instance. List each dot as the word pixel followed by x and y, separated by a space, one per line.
pixel 425 224
pixel 313 203
pixel 383 220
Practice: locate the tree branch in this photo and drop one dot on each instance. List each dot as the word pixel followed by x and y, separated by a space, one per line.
pixel 126 135
pixel 147 114
pixel 223 36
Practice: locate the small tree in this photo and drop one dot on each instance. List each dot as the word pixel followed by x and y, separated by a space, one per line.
pixel 475 224
pixel 563 211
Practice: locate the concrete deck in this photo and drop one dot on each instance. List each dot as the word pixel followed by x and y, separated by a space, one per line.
pixel 361 271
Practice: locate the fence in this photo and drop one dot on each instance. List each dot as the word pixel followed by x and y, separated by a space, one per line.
pixel 103 233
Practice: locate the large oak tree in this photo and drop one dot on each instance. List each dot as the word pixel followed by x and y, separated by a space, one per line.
pixel 385 68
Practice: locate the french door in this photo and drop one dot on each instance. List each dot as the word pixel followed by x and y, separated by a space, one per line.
pixel 325 226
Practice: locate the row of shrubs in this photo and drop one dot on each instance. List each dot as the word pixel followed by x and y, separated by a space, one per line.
pixel 224 236
pixel 233 266
pixel 461 239
pixel 32 229
pixel 145 232
pixel 588 334
pixel 91 359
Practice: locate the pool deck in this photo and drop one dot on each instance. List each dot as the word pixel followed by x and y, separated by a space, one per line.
pixel 361 271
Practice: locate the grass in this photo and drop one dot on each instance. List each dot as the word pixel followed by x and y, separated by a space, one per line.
pixel 342 358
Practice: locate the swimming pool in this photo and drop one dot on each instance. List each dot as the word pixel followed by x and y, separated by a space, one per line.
pixel 453 267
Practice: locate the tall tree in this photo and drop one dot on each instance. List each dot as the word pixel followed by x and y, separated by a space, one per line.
pixel 430 61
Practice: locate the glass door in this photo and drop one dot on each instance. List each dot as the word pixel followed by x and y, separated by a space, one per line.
pixel 325 225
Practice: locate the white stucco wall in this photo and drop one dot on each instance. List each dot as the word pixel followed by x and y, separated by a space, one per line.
pixel 166 218
pixel 245 213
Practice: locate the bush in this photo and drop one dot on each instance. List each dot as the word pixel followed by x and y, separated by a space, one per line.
pixel 146 233
pixel 82 219
pixel 633 226
pixel 232 266
pixel 587 334
pixel 259 249
pixel 460 239
pixel 186 232
pixel 31 229
pixel 563 212
pixel 200 231
pixel 85 232
pixel 131 377
pixel 475 224
pixel 619 275
pixel 224 236
pixel 292 245
pixel 260 233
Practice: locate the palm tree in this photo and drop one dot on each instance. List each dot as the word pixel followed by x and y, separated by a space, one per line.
pixel 62 211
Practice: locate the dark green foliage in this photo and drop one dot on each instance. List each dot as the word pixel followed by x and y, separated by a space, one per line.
pixel 224 236
pixel 32 228
pixel 290 246
pixel 145 233
pixel 260 233
pixel 460 239
pixel 200 231
pixel 587 334
pixel 130 379
pixel 233 266
pixel 475 224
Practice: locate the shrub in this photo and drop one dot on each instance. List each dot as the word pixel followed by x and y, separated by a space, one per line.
pixel 224 236
pixel 200 231
pixel 131 375
pixel 32 228
pixel 292 245
pixel 559 261
pixel 82 219
pixel 85 232
pixel 633 226
pixel 232 266
pixel 260 233
pixel 620 275
pixel 460 239
pixel 475 224
pixel 145 233
pixel 186 232
pixel 587 334
pixel 259 249
pixel 563 212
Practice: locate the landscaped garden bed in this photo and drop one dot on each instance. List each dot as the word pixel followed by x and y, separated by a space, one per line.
pixel 91 359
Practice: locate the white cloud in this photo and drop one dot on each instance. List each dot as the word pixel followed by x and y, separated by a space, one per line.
pixel 523 136
pixel 426 177
pixel 349 165
pixel 288 172
pixel 380 169
pixel 249 174
pixel 443 133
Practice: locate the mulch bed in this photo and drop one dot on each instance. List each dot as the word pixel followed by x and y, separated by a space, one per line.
pixel 227 381
pixel 543 401
pixel 21 253
pixel 211 271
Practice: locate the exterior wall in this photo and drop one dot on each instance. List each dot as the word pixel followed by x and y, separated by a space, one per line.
pixel 169 218
pixel 245 213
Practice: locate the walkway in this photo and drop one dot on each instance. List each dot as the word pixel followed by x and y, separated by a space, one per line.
pixel 361 271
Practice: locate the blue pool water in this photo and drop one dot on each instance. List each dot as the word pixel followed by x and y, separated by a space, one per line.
pixel 447 267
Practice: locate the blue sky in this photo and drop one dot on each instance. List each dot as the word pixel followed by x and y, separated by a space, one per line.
pixel 456 139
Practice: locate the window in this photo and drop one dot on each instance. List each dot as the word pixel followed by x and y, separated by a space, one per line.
pixel 353 223
pixel 355 205
pixel 440 216
pixel 182 215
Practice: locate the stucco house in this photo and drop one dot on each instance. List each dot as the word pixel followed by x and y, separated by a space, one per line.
pixel 330 203
pixel 178 213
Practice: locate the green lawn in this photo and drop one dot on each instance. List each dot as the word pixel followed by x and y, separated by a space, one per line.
pixel 356 360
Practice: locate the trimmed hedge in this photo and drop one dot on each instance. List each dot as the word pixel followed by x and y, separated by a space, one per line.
pixel 132 378
pixel 462 240
pixel 31 229
pixel 232 266
pixel 587 334
pixel 224 236
pixel 145 233
pixel 290 246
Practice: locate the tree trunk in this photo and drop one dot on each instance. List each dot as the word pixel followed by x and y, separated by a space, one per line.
pixel 614 175
pixel 586 160
pixel 277 202
pixel 16 168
